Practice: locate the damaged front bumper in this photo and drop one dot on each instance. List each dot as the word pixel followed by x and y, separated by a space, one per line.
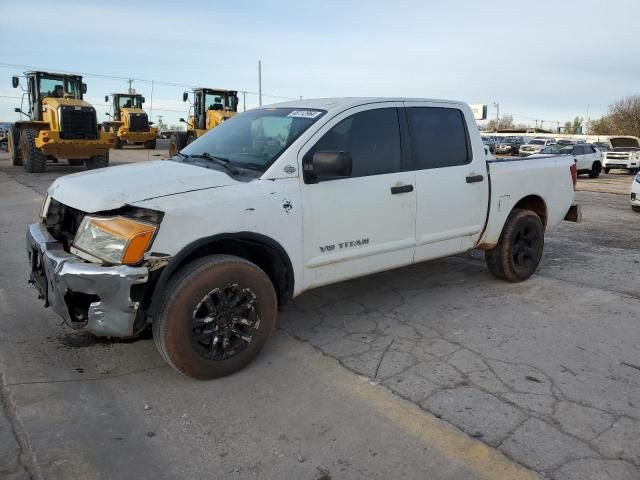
pixel 87 296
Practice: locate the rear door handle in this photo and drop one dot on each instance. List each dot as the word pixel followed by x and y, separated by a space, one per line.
pixel 474 178
pixel 401 189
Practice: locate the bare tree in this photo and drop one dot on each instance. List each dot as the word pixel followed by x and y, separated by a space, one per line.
pixel 506 121
pixel 623 118
pixel 575 126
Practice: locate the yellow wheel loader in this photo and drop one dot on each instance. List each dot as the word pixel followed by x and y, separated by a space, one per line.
pixel 211 107
pixel 129 122
pixel 60 124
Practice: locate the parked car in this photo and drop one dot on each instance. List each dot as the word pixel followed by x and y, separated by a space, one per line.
pixel 509 146
pixel 635 193
pixel 208 245
pixel 602 146
pixel 624 158
pixel 564 141
pixel 587 157
pixel 535 145
pixel 490 142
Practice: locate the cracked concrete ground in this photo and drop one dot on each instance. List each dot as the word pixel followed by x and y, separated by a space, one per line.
pixel 547 372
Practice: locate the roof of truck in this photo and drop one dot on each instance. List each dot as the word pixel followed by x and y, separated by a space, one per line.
pixel 342 103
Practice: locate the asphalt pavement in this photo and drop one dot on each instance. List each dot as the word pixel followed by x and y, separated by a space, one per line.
pixel 434 371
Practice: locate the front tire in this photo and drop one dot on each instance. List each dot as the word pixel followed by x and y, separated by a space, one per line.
pixel 606 170
pixel 33 159
pixel 215 316
pixel 97 161
pixel 518 253
pixel 117 143
pixel 635 208
pixel 596 168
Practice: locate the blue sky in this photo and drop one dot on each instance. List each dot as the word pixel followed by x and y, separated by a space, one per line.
pixel 549 60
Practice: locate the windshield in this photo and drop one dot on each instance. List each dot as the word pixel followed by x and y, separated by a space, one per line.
pixel 537 142
pixel 57 87
pixel 256 138
pixel 129 101
pixel 558 149
pixel 219 101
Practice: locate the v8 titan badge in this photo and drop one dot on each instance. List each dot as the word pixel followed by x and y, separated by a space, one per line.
pixel 289 169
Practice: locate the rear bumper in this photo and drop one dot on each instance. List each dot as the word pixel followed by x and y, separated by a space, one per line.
pixel 87 296
pixel 574 214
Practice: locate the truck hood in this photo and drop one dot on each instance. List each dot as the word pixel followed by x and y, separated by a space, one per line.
pixel 626 142
pixel 113 187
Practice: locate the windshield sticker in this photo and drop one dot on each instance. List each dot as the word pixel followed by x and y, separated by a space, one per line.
pixel 304 114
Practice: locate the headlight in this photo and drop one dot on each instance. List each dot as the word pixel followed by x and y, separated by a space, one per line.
pixel 114 239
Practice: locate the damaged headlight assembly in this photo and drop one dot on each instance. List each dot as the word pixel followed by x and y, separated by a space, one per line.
pixel 113 240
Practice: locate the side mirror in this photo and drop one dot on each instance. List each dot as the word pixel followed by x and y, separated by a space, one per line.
pixel 106 98
pixel 15 81
pixel 185 96
pixel 84 88
pixel 183 120
pixel 327 166
pixel 142 99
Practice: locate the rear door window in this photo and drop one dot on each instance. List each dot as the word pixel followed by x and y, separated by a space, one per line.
pixel 439 137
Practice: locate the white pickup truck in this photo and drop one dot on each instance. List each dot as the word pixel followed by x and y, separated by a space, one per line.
pixel 206 246
pixel 624 154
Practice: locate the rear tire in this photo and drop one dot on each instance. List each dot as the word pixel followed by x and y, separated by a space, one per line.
pixel 74 162
pixel 97 161
pixel 596 168
pixel 34 161
pixel 518 253
pixel 13 146
pixel 150 145
pixel 215 316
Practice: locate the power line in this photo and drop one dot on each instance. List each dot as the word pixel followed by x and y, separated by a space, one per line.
pixel 127 79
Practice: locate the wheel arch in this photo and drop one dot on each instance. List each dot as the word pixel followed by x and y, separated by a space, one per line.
pixel 536 204
pixel 265 252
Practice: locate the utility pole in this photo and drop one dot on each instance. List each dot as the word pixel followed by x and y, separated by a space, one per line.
pixel 259 83
pixel 536 126
pixel 497 105
pixel 131 90
pixel 244 101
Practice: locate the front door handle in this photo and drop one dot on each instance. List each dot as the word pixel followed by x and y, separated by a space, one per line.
pixel 474 178
pixel 401 189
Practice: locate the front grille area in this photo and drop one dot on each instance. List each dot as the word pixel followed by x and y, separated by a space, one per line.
pixel 63 222
pixel 138 122
pixel 78 123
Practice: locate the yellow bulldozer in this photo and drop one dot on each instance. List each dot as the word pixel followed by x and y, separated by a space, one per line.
pixel 211 107
pixel 129 122
pixel 59 124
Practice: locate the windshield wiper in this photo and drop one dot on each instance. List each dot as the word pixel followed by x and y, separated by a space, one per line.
pixel 223 162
